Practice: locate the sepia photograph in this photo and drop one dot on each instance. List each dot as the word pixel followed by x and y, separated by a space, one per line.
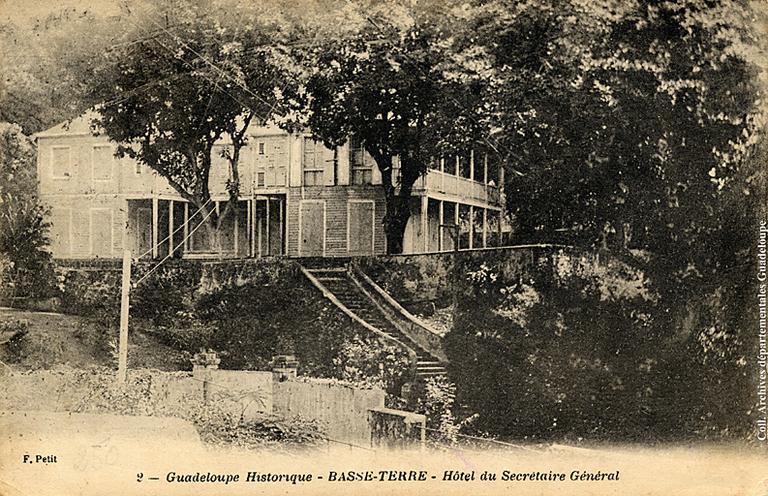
pixel 383 247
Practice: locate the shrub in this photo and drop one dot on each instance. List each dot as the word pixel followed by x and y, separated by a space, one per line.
pixel 373 361
pixel 14 336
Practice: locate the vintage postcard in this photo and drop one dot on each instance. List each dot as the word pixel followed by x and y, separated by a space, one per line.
pixel 383 247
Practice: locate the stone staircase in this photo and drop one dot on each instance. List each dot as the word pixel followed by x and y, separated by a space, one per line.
pixel 336 279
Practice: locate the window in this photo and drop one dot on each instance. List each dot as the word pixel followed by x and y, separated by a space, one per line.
pixel 261 148
pixel 313 162
pixel 361 164
pixel 101 166
pixel 260 179
pixel 61 162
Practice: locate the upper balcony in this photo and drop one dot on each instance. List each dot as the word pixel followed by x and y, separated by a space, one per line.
pixel 471 178
pixel 450 185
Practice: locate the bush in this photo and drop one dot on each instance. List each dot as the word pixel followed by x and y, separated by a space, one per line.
pixel 255 322
pixel 14 336
pixel 372 361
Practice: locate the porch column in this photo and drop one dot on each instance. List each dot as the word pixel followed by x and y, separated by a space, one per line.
pixel 472 165
pixel 170 227
pixel 471 227
pixel 442 174
pixel 485 175
pixel 440 230
pixel 425 221
pixel 457 241
pixel 283 233
pixel 249 226
pixel 186 227
pixel 500 242
pixel 485 228
pixel 266 227
pixel 258 221
pixel 155 214
pixel 458 170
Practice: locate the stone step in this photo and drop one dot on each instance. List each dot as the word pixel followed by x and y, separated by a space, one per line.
pixel 337 280
pixel 430 369
pixel 430 374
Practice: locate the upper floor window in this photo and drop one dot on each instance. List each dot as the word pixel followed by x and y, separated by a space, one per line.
pixel 361 164
pixel 313 162
pixel 61 162
pixel 261 148
pixel 101 167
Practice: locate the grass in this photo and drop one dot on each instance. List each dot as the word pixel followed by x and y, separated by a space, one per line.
pixel 57 339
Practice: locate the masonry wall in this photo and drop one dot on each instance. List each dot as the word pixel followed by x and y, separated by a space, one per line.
pixel 341 410
pixel 419 280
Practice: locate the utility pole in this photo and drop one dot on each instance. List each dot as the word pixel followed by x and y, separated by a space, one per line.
pixel 122 360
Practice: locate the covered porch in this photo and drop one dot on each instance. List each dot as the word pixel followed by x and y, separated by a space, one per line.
pixel 161 227
pixel 439 224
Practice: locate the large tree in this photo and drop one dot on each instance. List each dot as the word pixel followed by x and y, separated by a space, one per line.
pixel 186 76
pixel 23 229
pixel 381 75
pixel 636 127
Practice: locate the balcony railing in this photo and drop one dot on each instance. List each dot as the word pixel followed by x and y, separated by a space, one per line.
pixel 456 186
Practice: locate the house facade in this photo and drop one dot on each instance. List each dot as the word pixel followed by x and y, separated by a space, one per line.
pixel 298 199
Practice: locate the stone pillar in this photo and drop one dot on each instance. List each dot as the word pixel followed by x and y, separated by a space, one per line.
pixel 284 367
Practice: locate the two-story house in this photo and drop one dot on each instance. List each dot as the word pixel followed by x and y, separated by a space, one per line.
pixel 297 198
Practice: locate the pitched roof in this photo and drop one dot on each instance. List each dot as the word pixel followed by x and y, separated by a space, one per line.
pixel 78 126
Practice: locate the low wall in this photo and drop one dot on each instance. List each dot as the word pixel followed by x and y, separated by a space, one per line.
pixel 395 429
pixel 344 413
pixel 73 390
pixel 341 410
pixel 247 392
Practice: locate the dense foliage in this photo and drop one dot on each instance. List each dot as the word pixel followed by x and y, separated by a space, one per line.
pixel 581 351
pixel 25 264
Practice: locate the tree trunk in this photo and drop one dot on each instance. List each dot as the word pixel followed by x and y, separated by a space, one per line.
pixel 398 200
pixel 395 221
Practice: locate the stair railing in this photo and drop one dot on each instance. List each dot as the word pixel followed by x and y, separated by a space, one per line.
pixel 413 358
pixel 416 330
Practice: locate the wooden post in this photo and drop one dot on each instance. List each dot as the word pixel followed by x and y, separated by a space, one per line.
pixel 472 165
pixel 266 228
pixel 249 223
pixel 186 227
pixel 170 227
pixel 282 230
pixel 258 219
pixel 457 239
pixel 485 176
pixel 485 228
pixel 425 221
pixel 155 218
pixel 442 175
pixel 440 244
pixel 122 360
pixel 471 227
pixel 499 229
